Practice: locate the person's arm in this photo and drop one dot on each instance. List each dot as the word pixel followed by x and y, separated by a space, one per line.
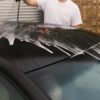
pixel 77 26
pixel 76 18
pixel 31 2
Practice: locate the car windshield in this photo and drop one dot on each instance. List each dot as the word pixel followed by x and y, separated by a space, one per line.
pixel 69 80
pixel 9 91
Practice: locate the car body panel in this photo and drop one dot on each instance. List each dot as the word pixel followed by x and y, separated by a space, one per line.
pixel 21 81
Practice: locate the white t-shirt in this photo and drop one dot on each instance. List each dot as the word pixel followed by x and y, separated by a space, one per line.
pixel 60 13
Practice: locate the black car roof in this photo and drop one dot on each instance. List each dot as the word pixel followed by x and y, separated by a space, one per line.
pixel 26 56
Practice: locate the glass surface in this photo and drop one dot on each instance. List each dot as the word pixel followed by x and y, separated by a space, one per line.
pixel 9 91
pixel 70 81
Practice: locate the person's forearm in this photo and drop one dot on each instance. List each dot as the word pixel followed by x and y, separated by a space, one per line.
pixel 31 2
pixel 78 26
pixel 28 1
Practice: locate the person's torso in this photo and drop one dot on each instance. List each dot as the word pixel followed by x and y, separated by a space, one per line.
pixel 59 13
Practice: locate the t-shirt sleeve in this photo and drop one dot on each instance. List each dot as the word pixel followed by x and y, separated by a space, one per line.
pixel 41 4
pixel 76 17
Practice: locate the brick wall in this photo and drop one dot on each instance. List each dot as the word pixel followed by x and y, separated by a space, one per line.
pixel 90 10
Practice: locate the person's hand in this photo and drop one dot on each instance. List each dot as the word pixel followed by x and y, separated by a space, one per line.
pixel 78 26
